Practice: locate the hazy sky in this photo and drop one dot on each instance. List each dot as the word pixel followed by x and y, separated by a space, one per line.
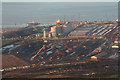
pixel 60 0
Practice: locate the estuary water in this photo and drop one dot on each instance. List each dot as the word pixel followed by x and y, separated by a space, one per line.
pixel 47 12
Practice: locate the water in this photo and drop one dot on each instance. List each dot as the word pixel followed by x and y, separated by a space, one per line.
pixel 48 12
pixel 10 47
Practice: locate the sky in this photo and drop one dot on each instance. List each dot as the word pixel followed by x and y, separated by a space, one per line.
pixel 60 0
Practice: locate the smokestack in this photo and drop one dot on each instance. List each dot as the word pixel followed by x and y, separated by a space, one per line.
pixel 44 34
